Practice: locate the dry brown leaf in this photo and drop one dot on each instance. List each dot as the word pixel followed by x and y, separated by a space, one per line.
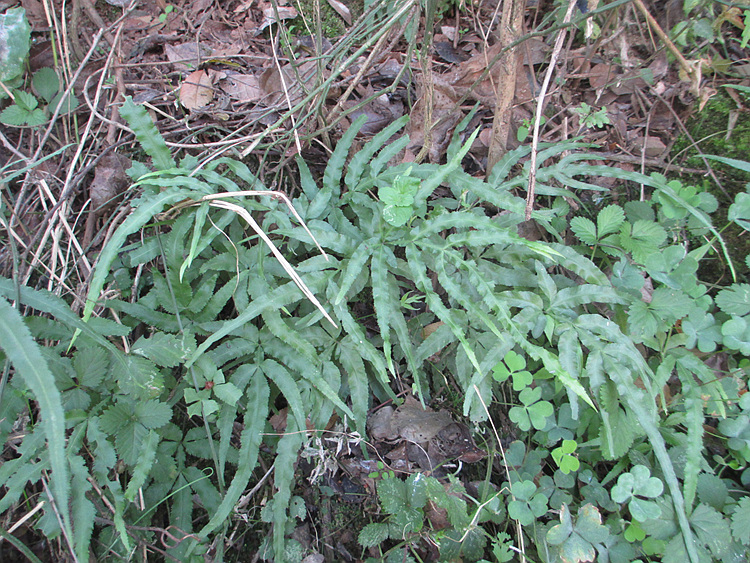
pixel 341 10
pixel 242 87
pixel 110 180
pixel 186 56
pixel 269 15
pixel 197 90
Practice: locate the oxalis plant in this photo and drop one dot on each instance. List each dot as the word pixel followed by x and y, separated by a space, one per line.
pixel 599 351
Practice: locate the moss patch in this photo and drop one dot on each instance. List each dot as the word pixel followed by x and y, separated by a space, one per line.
pixel 709 129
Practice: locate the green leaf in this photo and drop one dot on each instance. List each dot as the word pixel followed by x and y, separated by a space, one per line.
pixel 227 392
pixel 255 418
pixel 27 359
pixel 335 167
pixel 91 365
pixel 609 220
pixel 153 414
pixel 14 116
pixel 712 529
pixel 143 467
pixel 392 495
pixel 740 519
pixel 147 134
pixel 46 83
pixel 166 350
pixel 739 211
pixel 373 534
pixel 397 216
pixel 735 300
pixel 15 42
pixel 286 458
pixel 736 332
pixel 584 229
pixel 82 509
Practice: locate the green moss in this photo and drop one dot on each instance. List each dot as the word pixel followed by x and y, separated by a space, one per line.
pixel 332 25
pixel 709 130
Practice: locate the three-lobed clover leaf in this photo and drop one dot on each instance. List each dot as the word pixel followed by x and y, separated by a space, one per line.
pixel 635 484
pixel 533 412
pixel 514 365
pixel 578 540
pixel 528 504
pixel 564 458
pixel 701 331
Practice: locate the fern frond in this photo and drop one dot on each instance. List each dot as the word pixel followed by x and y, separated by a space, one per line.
pixel 257 394
pixel 147 134
pixel 334 170
pixel 27 359
pixel 286 458
pixel 363 157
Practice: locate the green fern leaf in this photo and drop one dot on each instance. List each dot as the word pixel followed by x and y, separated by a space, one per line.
pixel 286 458
pixel 335 167
pixel 26 357
pixel 144 212
pixel 288 387
pixel 365 155
pixel 255 419
pixel 82 509
pixel 356 374
pixel 143 467
pixel 147 134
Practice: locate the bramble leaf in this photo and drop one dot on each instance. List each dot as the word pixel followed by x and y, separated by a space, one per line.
pixel 735 300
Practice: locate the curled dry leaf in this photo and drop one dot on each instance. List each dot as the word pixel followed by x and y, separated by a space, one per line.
pixel 269 15
pixel 197 90
pixel 341 10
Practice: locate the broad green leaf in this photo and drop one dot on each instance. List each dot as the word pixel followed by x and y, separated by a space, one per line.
pixel 740 519
pixel 736 332
pixel 46 83
pixel 153 414
pixel 166 350
pixel 373 534
pixel 15 42
pixel 609 220
pixel 735 300
pixel 739 211
pixel 14 116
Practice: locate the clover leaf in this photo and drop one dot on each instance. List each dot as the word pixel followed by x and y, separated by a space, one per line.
pixel 578 540
pixel 701 331
pixel 515 366
pixel 564 458
pixel 528 504
pixel 534 411
pixel 635 484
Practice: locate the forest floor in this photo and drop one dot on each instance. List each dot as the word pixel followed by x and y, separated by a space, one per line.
pixel 270 81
